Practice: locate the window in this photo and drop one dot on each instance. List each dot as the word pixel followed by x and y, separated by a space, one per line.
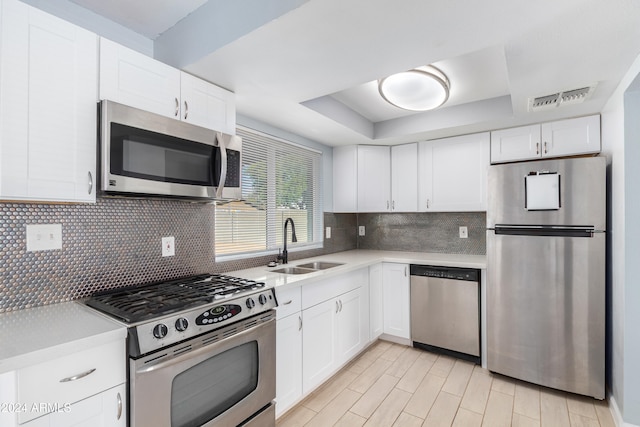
pixel 280 180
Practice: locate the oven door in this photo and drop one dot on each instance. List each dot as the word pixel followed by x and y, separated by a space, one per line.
pixel 199 383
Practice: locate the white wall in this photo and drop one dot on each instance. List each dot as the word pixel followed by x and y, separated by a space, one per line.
pixel 621 145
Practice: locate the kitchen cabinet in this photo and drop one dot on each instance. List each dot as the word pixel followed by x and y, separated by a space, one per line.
pixel 374 178
pixel 134 79
pixel 335 325
pixel 404 178
pixel 345 178
pixel 376 306
pixel 48 81
pixel 288 350
pixel 452 173
pixel 395 294
pixel 555 139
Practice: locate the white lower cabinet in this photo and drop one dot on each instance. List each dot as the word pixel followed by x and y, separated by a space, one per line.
pixel 395 294
pixel 318 343
pixel 376 307
pixel 288 361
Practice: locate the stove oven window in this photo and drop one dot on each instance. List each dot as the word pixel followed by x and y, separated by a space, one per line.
pixel 209 388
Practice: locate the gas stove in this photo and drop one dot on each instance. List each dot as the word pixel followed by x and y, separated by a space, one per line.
pixel 161 314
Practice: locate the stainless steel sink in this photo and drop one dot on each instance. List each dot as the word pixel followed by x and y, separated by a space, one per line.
pixel 294 270
pixel 320 265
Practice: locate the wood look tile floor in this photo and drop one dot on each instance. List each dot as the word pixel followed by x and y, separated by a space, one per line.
pixel 398 386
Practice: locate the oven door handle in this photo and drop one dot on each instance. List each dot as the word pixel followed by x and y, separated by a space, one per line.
pixel 181 357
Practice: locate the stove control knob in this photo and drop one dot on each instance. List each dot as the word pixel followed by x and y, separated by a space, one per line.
pixel 250 303
pixel 182 324
pixel 160 331
pixel 262 299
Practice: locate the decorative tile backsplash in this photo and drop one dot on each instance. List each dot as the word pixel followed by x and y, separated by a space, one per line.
pixel 424 232
pixel 117 242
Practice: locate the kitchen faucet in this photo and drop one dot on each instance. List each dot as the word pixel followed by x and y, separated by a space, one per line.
pixel 284 256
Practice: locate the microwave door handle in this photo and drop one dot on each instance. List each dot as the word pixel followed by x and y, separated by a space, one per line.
pixel 223 169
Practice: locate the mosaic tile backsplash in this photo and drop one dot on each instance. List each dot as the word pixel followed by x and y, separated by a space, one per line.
pixel 116 243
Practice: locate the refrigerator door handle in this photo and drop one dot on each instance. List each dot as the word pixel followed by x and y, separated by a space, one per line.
pixel 542 230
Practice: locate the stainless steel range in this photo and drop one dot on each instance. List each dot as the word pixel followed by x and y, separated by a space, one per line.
pixel 201 350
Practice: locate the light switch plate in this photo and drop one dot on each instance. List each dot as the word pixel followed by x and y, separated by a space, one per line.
pixel 361 230
pixel 327 232
pixel 464 232
pixel 44 237
pixel 168 246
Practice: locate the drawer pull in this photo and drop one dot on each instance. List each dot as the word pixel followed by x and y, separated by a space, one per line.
pixel 288 302
pixel 77 377
pixel 119 406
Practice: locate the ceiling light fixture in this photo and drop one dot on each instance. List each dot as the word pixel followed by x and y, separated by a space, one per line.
pixel 421 89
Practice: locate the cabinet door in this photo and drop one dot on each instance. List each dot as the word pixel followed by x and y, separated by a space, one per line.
pixel 134 79
pixel 375 302
pixel 350 331
pixel 374 179
pixel 459 168
pixel 404 178
pixel 345 179
pixel 106 409
pixel 207 105
pixel 425 176
pixel 288 361
pixel 395 293
pixel 318 343
pixel 571 137
pixel 48 81
pixel 521 143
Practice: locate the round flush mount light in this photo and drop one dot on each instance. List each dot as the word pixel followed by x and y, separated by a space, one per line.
pixel 421 89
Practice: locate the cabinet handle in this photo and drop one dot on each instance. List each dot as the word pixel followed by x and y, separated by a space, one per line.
pixel 545 148
pixel 340 305
pixel 177 107
pixel 537 148
pixel 119 406
pixel 427 203
pixel 405 271
pixel 393 205
pixel 186 110
pixel 90 182
pixel 337 306
pixel 299 323
pixel 387 205
pixel 77 377
pixel 287 303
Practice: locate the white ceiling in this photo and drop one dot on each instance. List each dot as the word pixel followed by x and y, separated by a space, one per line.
pixel 308 71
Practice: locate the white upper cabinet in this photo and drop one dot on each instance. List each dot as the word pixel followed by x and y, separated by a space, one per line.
pixel 345 178
pixel 571 137
pixel 452 174
pixel 374 178
pixel 521 143
pixel 207 105
pixel 555 139
pixel 134 79
pixel 48 82
pixel 404 178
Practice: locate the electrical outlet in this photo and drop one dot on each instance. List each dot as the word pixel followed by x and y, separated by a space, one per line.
pixel 168 246
pixel 44 237
pixel 327 232
pixel 361 230
pixel 464 232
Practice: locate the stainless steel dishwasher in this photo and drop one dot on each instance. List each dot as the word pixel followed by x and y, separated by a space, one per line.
pixel 445 310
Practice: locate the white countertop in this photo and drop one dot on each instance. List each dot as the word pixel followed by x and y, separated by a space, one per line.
pixel 354 260
pixel 38 334
pixel 35 335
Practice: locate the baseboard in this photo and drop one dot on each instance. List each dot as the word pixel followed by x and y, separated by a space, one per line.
pixel 397 340
pixel 616 414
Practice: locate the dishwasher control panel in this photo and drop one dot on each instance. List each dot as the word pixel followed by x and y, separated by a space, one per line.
pixel 453 273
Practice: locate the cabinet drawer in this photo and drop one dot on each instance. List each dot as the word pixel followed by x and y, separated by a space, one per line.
pixel 66 380
pixel 289 302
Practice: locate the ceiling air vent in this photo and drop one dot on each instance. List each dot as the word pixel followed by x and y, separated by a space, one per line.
pixel 574 96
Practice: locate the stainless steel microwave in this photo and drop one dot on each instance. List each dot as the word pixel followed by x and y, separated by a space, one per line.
pixel 146 154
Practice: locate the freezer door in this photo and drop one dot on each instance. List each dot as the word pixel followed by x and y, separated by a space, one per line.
pixel 546 310
pixel 581 193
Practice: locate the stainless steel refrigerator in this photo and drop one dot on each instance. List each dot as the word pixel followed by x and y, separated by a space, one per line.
pixel 546 273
